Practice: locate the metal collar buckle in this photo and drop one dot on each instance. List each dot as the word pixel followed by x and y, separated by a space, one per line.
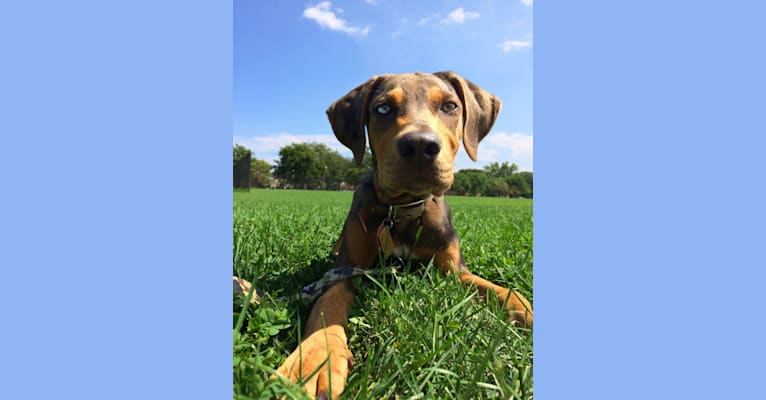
pixel 388 221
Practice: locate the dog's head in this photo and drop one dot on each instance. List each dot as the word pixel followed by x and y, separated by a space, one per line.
pixel 415 123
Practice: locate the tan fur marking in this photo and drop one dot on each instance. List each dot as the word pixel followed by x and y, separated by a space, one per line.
pixel 396 95
pixel 435 95
pixel 448 137
pixel 333 307
pixel 448 258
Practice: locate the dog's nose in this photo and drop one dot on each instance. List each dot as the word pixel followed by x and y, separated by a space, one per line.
pixel 419 146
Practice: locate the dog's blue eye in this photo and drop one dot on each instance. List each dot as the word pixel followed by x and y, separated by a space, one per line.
pixel 383 109
pixel 449 107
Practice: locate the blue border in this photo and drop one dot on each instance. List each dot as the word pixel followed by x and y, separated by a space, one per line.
pixel 649 201
pixel 116 220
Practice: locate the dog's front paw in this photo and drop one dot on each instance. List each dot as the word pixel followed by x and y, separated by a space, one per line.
pixel 321 364
pixel 519 309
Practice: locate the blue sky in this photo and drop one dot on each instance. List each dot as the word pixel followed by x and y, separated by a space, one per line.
pixel 292 59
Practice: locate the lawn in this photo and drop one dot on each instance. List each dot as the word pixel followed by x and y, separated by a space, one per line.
pixel 413 335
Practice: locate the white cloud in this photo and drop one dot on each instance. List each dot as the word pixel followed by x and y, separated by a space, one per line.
pixel 371 2
pixel 266 147
pixel 527 3
pixel 510 45
pixel 427 20
pixel 500 147
pixel 459 16
pixel 323 14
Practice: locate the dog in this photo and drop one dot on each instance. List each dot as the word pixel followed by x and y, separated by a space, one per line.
pixel 415 123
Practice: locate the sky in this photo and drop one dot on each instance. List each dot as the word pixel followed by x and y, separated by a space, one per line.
pixel 292 59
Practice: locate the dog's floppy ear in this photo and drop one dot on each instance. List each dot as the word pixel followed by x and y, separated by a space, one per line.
pixel 480 109
pixel 348 117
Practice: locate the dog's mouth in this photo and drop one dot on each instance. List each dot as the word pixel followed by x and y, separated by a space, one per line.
pixel 418 183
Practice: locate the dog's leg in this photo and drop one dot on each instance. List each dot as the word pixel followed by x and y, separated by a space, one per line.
pixel 325 335
pixel 449 259
pixel 324 346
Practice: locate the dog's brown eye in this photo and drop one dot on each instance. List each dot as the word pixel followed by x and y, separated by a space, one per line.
pixel 383 109
pixel 449 107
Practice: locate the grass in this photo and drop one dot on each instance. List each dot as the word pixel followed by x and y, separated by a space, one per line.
pixel 414 335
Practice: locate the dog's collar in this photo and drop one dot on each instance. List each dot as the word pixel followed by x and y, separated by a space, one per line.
pixel 392 213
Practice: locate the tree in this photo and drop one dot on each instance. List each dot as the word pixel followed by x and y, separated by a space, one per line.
pixel 518 183
pixel 498 187
pixel 504 170
pixel 242 157
pixel 298 165
pixel 354 174
pixel 459 184
pixel 333 167
pixel 260 173
pixel 527 178
pixel 316 166
pixel 519 186
pixel 471 182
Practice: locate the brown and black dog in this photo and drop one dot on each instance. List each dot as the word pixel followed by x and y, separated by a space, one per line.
pixel 414 123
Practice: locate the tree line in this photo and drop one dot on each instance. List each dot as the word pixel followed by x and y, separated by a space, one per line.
pixel 316 166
